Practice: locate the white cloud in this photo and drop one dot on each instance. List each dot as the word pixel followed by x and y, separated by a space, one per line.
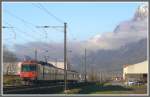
pixel 125 33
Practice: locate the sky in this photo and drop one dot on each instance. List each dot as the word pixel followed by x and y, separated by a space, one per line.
pixel 84 20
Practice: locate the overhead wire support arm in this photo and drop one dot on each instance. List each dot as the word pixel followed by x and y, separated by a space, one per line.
pixel 12 28
pixel 49 26
pixel 7 27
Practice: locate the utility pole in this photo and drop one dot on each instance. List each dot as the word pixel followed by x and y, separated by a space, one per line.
pixel 56 62
pixel 56 66
pixel 65 50
pixel 82 69
pixel 100 77
pixel 36 54
pixel 65 56
pixel 69 60
pixel 85 67
pixel 44 67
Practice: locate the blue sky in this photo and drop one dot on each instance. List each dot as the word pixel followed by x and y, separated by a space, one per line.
pixel 84 20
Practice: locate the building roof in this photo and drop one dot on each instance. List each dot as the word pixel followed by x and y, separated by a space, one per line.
pixel 141 67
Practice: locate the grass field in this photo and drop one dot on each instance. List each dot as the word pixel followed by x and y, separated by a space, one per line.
pixel 86 88
pixel 107 88
pixel 10 80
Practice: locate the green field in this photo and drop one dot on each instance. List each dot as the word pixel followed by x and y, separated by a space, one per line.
pixel 85 88
pixel 10 80
pixel 107 88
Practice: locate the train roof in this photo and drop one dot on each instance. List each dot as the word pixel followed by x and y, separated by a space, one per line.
pixel 40 62
pixel 44 64
pixel 29 62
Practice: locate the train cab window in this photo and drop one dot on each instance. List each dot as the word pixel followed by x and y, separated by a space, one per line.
pixel 27 67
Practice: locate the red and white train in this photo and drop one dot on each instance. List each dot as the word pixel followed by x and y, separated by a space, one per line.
pixel 36 71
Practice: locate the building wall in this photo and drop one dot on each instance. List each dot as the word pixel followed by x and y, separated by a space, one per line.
pixel 139 68
pixel 132 77
pixel 60 65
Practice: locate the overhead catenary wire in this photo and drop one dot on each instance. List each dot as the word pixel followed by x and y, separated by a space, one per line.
pixel 23 38
pixel 25 33
pixel 70 32
pixel 15 38
pixel 25 22
pixel 12 29
pixel 40 6
pixel 17 17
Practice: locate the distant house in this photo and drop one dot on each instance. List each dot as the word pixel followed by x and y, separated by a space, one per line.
pixel 11 68
pixel 136 72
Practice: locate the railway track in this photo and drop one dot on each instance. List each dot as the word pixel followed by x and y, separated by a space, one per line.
pixel 28 88
pixel 49 88
pixel 33 88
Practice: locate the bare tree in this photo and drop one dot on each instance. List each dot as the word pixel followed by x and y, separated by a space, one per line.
pixel 8 56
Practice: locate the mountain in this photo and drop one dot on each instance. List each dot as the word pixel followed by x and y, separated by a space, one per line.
pixel 126 32
pixel 113 60
pixel 127 44
pixel 8 55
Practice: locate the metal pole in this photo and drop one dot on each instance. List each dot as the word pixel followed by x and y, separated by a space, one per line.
pixel 101 77
pixel 56 62
pixel 85 66
pixel 36 54
pixel 82 69
pixel 65 57
pixel 56 70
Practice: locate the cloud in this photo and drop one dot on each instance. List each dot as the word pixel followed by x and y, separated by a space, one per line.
pixel 126 32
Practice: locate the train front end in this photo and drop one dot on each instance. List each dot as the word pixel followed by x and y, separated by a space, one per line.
pixel 28 71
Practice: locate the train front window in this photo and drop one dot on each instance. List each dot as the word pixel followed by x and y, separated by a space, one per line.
pixel 27 67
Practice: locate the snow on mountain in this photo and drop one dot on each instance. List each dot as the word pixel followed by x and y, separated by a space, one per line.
pixel 141 12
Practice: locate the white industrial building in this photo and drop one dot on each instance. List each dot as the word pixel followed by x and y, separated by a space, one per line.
pixel 136 72
pixel 60 64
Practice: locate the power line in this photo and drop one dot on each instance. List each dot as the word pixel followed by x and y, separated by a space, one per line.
pixel 11 27
pixel 54 17
pixel 70 32
pixel 25 22
pixel 47 26
pixel 15 28
pixel 48 12
pixel 10 13
pixel 85 66
pixel 21 37
pixel 25 33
